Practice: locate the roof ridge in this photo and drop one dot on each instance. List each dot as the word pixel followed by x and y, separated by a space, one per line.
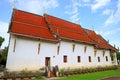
pixel 88 35
pixel 49 26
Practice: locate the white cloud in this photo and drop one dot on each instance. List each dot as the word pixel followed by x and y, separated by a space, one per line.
pixel 35 6
pixel 114 18
pixel 111 32
pixel 73 10
pixel 99 4
pixel 3 33
pixel 107 12
pixel 108 33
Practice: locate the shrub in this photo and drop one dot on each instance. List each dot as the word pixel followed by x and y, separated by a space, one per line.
pixel 6 73
pixel 62 71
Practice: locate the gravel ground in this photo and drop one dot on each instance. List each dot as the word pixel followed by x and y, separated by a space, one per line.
pixel 112 78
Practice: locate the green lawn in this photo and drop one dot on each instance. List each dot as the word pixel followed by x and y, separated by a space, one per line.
pixel 91 76
pixel 37 79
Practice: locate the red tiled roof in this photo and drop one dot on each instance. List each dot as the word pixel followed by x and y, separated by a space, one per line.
pixel 101 42
pixel 104 44
pixel 30 24
pixel 67 29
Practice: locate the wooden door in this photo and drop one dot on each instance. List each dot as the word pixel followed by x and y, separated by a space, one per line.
pixel 47 61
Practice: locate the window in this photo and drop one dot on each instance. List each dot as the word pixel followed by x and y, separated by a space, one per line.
pixel 78 58
pixel 106 58
pixel 65 59
pixel 98 59
pixel 89 58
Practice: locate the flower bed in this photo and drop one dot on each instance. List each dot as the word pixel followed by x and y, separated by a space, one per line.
pixel 21 75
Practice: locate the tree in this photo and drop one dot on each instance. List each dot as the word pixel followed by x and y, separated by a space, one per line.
pixel 3 57
pixel 1 41
pixel 118 57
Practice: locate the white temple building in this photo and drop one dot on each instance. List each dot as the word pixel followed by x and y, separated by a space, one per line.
pixel 37 41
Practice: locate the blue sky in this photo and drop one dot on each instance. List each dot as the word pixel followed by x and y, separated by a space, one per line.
pixel 102 16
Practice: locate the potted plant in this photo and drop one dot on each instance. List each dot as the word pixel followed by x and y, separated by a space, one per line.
pixel 6 73
pixel 13 75
pixel 37 74
pixel 29 74
pixel 22 74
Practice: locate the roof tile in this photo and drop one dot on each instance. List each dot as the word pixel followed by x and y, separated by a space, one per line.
pixel 67 29
pixel 31 25
pixel 43 27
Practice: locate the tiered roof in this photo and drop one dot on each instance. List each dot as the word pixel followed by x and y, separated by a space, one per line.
pixel 67 30
pixel 52 28
pixel 28 24
pixel 101 42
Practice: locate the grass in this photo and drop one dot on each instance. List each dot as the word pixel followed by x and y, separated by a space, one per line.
pixel 37 79
pixel 93 76
pixel 90 76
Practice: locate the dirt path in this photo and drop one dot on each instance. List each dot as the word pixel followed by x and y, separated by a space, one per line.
pixel 112 78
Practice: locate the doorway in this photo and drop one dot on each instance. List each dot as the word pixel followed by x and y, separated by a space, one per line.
pixel 47 61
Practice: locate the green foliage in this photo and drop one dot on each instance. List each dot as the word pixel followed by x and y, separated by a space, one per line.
pixel 4 56
pixel 112 56
pixel 6 73
pixel 24 72
pixel 62 71
pixel 118 55
pixel 1 41
pixel 4 53
pixel 37 73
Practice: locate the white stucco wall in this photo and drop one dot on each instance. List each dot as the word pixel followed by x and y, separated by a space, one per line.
pixel 103 61
pixel 66 48
pixel 26 54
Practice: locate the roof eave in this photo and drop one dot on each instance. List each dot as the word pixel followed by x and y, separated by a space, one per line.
pixel 33 37
pixel 78 40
